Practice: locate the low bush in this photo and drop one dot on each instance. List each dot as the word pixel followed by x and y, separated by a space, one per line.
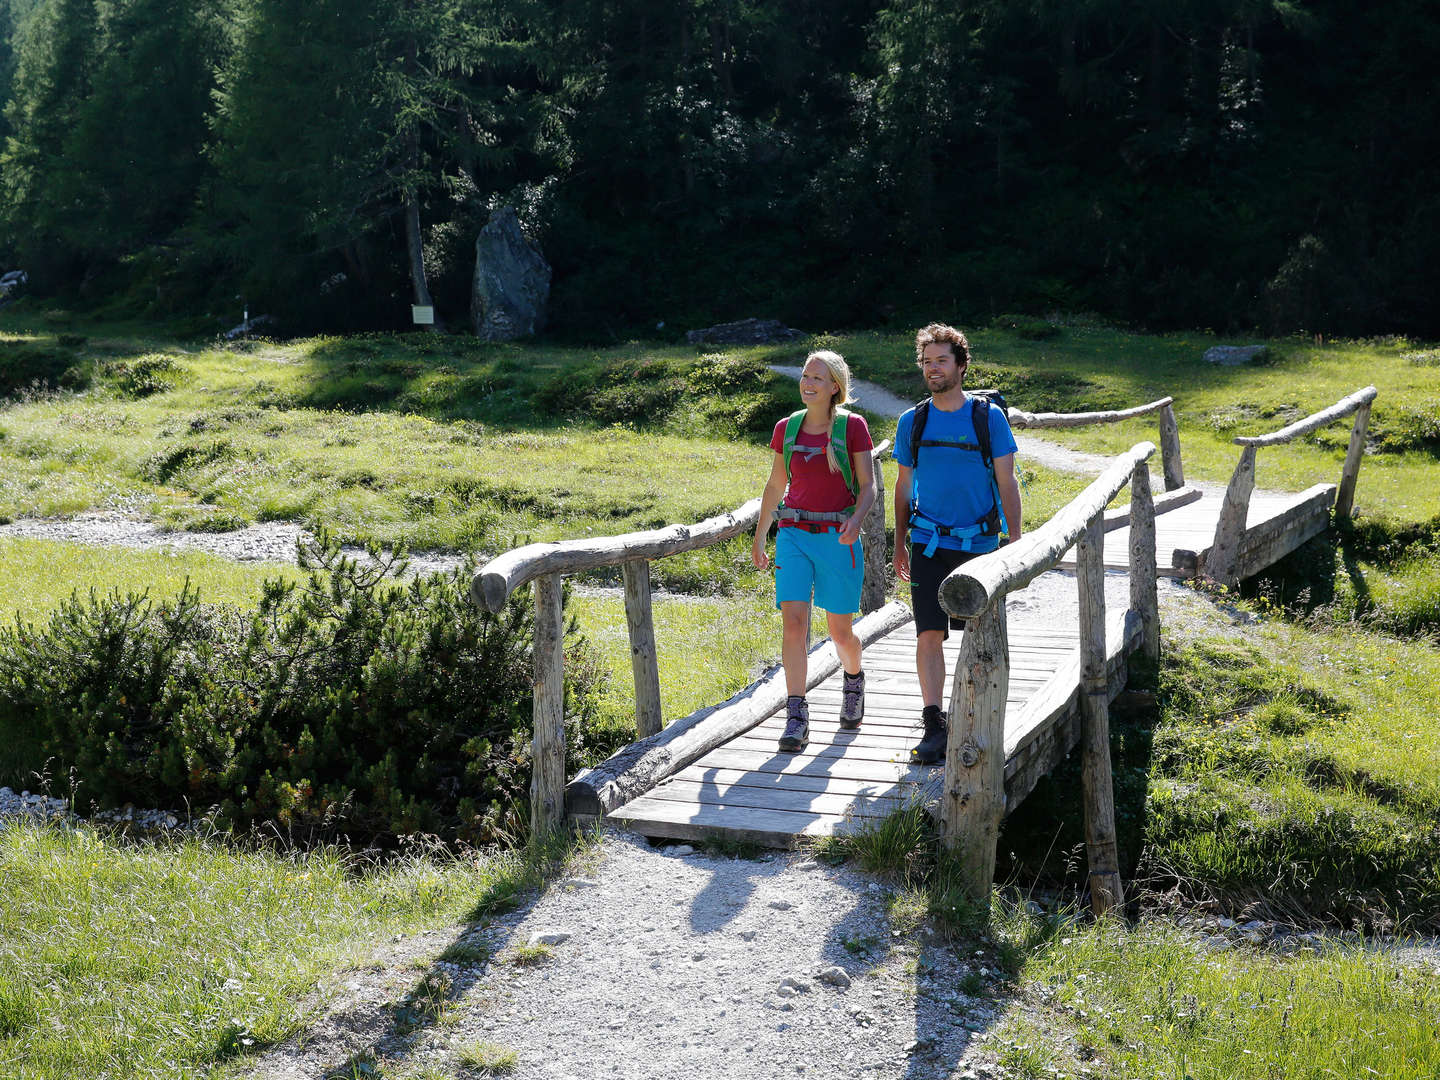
pixel 348 702
pixel 29 365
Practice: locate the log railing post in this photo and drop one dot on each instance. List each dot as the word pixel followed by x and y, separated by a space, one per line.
pixel 1144 595
pixel 974 799
pixel 643 663
pixel 1170 449
pixel 1230 529
pixel 872 592
pixel 1345 497
pixel 1106 890
pixel 547 781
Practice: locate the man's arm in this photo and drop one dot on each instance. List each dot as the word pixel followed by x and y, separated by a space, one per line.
pixel 902 522
pixel 1009 494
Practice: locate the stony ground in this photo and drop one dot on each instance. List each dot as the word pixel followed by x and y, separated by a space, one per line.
pixel 667 962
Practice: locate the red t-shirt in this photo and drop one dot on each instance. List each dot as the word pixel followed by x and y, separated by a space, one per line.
pixel 812 485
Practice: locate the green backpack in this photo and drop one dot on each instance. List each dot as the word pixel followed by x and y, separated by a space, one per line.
pixel 837 443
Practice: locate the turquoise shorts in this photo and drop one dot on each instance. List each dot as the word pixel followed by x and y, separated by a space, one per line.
pixel 817 562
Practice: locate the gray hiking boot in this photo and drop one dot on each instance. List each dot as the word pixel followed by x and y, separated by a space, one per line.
pixel 797 726
pixel 930 750
pixel 852 704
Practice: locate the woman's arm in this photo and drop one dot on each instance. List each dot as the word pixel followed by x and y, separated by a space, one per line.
pixel 769 499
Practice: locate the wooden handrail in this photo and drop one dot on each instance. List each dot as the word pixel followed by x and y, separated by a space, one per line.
pixel 1169 430
pixel 1022 419
pixel 976 585
pixel 1341 409
pixel 1222 562
pixel 502 575
pixel 974 784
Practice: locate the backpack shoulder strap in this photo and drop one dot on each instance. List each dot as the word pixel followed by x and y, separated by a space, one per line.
pixel 792 431
pixel 840 443
pixel 917 428
pixel 980 418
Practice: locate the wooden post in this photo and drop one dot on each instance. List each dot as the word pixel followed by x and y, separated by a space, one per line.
pixel 1144 597
pixel 1170 449
pixel 1345 497
pixel 1230 529
pixel 872 592
pixel 1106 890
pixel 975 754
pixel 547 780
pixel 639 617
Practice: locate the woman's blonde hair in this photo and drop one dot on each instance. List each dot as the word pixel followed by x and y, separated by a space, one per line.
pixel 840 372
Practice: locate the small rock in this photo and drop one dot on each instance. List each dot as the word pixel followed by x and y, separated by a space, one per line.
pixel 1235 355
pixel 795 986
pixel 549 937
pixel 679 851
pixel 747 935
pixel 835 976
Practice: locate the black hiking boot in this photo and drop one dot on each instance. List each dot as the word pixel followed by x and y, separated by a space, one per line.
pixel 797 726
pixel 852 704
pixel 931 749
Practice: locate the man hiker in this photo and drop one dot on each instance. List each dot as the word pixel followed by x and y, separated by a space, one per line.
pixel 955 496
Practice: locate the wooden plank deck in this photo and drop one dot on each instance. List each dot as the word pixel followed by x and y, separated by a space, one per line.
pixel 1183 533
pixel 747 789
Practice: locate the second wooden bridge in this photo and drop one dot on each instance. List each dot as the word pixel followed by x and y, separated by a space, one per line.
pixel 1030 681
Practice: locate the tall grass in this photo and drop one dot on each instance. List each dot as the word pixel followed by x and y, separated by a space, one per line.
pixel 35 575
pixel 160 959
pixel 1158 1002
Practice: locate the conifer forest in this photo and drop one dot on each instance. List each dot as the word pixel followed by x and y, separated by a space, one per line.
pixel 1235 165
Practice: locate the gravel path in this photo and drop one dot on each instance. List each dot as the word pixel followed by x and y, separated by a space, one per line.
pixel 667 963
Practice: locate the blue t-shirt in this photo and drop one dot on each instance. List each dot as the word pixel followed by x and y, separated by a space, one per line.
pixel 951 485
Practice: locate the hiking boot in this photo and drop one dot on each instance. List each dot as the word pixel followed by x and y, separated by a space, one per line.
pixel 797 726
pixel 852 704
pixel 931 749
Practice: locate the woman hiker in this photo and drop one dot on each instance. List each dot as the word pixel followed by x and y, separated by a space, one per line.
pixel 822 468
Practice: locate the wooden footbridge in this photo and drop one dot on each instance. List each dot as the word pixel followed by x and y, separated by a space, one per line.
pixel 1032 680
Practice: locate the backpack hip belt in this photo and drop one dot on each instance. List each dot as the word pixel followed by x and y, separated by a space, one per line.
pixel 966 533
pixel 834 519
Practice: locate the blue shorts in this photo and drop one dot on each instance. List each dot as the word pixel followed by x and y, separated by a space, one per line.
pixel 816 561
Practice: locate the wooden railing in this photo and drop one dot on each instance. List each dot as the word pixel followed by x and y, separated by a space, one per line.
pixel 546 564
pixel 1169 430
pixel 973 798
pixel 1226 562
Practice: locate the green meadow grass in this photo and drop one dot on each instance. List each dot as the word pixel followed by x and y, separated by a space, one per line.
pixel 1154 1001
pixel 168 958
pixel 36 575
pixel 1303 773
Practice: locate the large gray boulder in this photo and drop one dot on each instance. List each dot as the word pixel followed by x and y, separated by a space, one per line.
pixel 1236 355
pixel 744 332
pixel 512 282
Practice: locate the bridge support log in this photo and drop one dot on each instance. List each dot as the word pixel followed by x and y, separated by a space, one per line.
pixel 640 618
pixel 1170 449
pixel 1350 474
pixel 547 781
pixel 1106 890
pixel 1144 597
pixel 1230 529
pixel 974 799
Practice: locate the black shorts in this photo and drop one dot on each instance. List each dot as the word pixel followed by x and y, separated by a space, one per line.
pixel 926 574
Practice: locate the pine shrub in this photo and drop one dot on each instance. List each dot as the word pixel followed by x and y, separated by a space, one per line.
pixel 348 701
